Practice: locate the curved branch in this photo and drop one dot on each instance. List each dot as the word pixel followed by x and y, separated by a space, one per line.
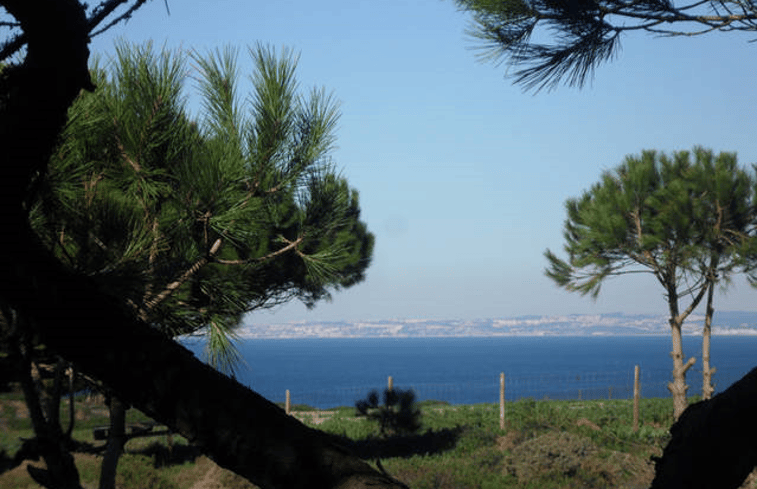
pixel 291 245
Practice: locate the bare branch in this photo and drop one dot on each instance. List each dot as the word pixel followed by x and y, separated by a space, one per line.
pixel 171 288
pixel 102 11
pixel 694 303
pixel 11 47
pixel 123 17
pixel 290 246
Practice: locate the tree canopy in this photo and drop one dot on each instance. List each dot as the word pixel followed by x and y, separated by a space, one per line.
pixel 554 41
pixel 659 214
pixel 690 224
pixel 195 223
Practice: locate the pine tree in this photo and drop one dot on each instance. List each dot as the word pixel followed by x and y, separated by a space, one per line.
pixel 195 224
pixel 70 312
pixel 686 223
pixel 726 206
pixel 398 415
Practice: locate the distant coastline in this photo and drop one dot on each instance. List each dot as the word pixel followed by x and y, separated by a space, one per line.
pixel 725 323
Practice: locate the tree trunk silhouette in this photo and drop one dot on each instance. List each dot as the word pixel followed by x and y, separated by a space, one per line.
pixel 713 442
pixel 71 375
pixel 238 428
pixel 116 442
pixel 50 443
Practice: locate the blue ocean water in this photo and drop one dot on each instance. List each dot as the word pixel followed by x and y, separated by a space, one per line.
pixel 332 372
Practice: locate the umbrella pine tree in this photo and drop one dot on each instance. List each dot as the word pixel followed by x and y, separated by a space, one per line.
pixel 688 223
pixel 195 223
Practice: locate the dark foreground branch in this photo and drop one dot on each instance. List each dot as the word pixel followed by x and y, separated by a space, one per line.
pixel 713 443
pixel 238 428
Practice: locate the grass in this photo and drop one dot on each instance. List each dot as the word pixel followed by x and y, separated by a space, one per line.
pixel 546 444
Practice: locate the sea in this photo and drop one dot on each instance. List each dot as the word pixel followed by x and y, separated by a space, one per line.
pixel 331 372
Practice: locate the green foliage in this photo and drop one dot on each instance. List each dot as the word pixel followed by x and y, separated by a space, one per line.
pixel 683 221
pixel 397 415
pixel 195 223
pixel 687 218
pixel 89 471
pixel 348 425
pixel 609 454
pixel 137 471
pixel 576 36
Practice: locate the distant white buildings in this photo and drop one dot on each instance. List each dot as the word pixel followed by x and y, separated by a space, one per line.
pixel 726 323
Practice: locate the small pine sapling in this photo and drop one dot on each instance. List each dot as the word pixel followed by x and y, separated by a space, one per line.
pixel 398 415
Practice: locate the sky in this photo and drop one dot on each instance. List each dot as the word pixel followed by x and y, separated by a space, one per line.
pixel 462 175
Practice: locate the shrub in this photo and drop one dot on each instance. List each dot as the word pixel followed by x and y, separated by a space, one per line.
pixel 137 471
pixel 558 453
pixel 398 415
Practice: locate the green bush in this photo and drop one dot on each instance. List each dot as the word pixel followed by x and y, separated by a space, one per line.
pixel 398 415
pixel 138 472
pixel 556 453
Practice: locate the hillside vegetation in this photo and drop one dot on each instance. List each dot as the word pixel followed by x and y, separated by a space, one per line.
pixel 546 444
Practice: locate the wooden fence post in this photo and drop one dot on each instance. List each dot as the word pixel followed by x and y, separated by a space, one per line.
pixel 636 395
pixel 288 403
pixel 390 383
pixel 502 401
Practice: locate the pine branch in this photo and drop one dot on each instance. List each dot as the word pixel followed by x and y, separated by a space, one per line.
pixel 133 164
pixel 102 11
pixel 587 32
pixel 151 261
pixel 290 246
pixel 171 288
pixel 108 8
pixel 11 47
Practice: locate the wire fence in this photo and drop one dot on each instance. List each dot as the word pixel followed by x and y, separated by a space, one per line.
pixel 556 386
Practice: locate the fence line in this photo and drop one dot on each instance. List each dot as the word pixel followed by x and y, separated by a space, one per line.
pixel 557 386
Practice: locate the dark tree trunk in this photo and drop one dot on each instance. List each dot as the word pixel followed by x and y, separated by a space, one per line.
pixel 55 395
pixel 116 442
pixel 707 370
pixel 713 442
pixel 678 386
pixel 237 427
pixel 49 441
pixel 71 374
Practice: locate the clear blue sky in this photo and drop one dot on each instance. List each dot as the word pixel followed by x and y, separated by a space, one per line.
pixel 463 176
